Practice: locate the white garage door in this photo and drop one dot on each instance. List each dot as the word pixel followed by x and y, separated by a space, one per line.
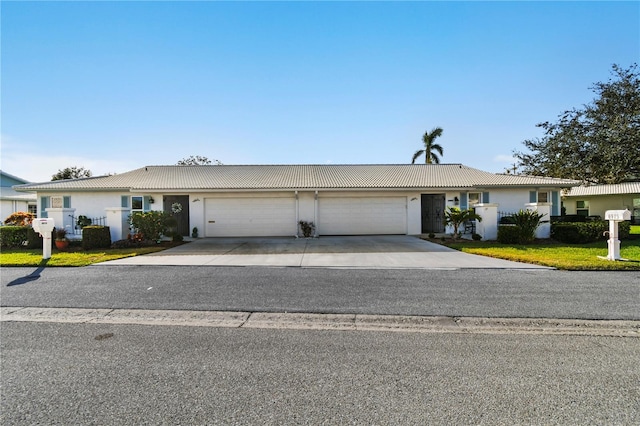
pixel 250 217
pixel 362 216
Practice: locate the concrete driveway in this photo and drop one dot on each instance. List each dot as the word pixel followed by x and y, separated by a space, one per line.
pixel 370 252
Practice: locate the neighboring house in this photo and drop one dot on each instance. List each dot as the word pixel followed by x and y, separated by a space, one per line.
pixel 270 200
pixel 12 201
pixel 594 200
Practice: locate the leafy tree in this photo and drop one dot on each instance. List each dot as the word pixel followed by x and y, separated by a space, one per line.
pixel 72 173
pixel 430 148
pixel 456 217
pixel 598 143
pixel 197 160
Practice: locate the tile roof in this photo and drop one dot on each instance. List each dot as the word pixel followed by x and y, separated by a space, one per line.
pixel 274 177
pixel 614 189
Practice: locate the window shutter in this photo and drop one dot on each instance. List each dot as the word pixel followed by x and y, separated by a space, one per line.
pixel 44 205
pixel 463 201
pixel 533 197
pixel 485 197
pixel 145 204
pixel 124 201
pixel 66 202
pixel 555 203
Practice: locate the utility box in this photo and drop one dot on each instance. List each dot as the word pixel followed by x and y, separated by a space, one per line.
pixel 614 217
pixel 44 227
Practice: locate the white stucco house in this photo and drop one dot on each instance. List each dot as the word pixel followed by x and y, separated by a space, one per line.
pixel 12 201
pixel 595 200
pixel 270 200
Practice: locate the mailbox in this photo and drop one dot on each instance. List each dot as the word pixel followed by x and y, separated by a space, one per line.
pixel 44 227
pixel 613 243
pixel 618 215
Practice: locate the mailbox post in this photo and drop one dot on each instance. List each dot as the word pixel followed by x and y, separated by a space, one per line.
pixel 614 217
pixel 44 227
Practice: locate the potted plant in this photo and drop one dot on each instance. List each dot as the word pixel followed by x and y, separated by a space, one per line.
pixel 61 239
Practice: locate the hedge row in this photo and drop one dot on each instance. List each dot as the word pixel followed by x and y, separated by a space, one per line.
pixel 96 237
pixel 586 232
pixel 26 237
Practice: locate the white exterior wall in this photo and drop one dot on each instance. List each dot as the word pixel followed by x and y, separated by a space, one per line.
pixel 8 207
pixel 510 200
pixel 95 204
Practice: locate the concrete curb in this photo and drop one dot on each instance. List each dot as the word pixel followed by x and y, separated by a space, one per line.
pixel 311 321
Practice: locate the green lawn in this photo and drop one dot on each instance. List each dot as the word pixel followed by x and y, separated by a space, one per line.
pixel 73 257
pixel 561 256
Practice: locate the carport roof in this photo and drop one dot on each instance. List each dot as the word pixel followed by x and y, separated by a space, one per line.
pixel 289 177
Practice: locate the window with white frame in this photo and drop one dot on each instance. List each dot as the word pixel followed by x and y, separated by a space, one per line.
pixel 33 209
pixel 582 208
pixel 543 197
pixel 137 204
pixel 474 198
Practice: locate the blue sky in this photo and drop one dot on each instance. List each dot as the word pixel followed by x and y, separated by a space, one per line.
pixel 112 86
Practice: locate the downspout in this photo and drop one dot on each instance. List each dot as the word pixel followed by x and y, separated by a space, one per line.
pixel 297 213
pixel 315 213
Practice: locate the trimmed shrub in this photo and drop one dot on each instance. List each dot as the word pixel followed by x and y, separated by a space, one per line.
pixel 13 236
pixel 96 237
pixel 152 225
pixel 527 221
pixel 19 219
pixel 586 232
pixel 508 234
pixel 34 240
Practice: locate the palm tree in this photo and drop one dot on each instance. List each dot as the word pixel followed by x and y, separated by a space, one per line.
pixel 456 217
pixel 430 147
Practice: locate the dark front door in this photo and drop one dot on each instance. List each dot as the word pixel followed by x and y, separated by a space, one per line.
pixel 178 207
pixel 432 213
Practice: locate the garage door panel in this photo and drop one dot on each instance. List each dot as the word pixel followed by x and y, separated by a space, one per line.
pixel 362 215
pixel 250 217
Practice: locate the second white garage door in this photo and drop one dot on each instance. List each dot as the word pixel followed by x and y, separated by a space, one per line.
pixel 362 216
pixel 250 217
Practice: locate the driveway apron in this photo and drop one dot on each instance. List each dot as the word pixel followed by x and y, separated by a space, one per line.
pixel 368 252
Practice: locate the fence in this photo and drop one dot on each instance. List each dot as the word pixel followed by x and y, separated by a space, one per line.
pixel 505 218
pixel 80 222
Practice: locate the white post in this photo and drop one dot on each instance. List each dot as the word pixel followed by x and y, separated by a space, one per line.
pixel 488 228
pixel 118 222
pixel 44 226
pixel 544 230
pixel 613 243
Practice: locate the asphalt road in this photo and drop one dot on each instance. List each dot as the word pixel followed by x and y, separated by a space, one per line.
pixel 472 292
pixel 125 375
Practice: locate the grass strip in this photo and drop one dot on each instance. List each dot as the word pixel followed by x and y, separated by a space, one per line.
pixel 577 257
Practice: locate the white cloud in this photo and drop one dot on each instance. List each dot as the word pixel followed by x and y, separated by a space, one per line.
pixel 38 165
pixel 509 159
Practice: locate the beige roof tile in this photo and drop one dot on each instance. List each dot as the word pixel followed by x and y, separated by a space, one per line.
pixel 591 190
pixel 273 177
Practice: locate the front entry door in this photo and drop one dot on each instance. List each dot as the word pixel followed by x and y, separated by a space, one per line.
pixel 182 217
pixel 432 213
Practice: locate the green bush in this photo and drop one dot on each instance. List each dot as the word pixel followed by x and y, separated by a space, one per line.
pixel 508 234
pixel 34 240
pixel 586 232
pixel 96 237
pixel 527 221
pixel 152 225
pixel 13 236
